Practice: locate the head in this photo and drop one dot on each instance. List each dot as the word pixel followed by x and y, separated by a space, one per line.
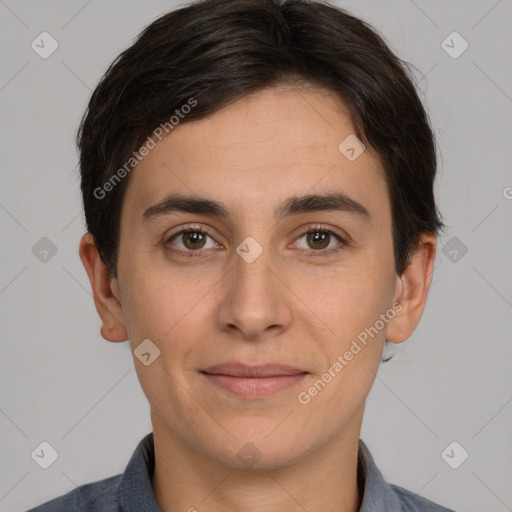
pixel 257 178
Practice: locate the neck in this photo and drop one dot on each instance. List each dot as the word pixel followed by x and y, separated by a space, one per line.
pixel 187 479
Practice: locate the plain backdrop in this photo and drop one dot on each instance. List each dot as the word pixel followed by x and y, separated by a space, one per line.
pixel 60 382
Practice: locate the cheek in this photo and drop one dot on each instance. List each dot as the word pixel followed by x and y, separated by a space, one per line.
pixel 348 300
pixel 353 350
pixel 161 305
pixel 149 309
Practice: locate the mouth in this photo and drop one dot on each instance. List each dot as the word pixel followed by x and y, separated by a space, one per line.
pixel 253 381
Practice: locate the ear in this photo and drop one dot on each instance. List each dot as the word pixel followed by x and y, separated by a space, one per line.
pixel 412 294
pixel 105 291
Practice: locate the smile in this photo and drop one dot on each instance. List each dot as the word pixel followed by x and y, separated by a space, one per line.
pixel 253 381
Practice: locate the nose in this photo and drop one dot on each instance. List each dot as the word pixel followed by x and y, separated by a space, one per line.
pixel 255 302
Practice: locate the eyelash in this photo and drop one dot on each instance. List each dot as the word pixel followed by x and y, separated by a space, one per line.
pixel 312 229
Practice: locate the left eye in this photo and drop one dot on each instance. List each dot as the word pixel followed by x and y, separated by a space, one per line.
pixel 319 239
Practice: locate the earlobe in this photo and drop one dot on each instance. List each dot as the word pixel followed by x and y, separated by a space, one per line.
pixel 106 301
pixel 415 284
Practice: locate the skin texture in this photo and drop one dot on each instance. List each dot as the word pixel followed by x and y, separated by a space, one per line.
pixel 283 307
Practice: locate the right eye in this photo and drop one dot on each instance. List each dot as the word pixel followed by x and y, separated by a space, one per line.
pixel 192 240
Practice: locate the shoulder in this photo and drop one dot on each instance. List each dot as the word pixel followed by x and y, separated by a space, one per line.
pixel 381 495
pixel 414 503
pixel 99 496
pixel 113 493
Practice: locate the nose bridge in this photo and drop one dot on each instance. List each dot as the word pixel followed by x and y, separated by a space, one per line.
pixel 252 275
pixel 253 299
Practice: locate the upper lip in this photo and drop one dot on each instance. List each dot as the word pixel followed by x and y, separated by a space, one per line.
pixel 244 370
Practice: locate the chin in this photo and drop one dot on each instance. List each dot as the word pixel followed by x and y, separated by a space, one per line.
pixel 263 452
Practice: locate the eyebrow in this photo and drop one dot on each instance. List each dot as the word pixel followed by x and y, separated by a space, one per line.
pixel 177 203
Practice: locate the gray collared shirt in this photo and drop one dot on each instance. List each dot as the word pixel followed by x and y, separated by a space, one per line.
pixel 132 490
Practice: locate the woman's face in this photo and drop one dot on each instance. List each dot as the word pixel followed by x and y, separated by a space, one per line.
pixel 275 280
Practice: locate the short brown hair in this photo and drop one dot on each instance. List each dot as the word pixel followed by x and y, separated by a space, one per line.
pixel 218 51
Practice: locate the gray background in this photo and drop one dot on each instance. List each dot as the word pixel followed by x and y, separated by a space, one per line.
pixel 62 383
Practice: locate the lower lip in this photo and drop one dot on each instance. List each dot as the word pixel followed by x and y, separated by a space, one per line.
pixel 254 387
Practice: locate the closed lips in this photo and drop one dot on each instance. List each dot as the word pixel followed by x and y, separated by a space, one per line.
pixel 247 371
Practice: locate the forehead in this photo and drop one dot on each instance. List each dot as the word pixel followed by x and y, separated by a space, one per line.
pixel 261 150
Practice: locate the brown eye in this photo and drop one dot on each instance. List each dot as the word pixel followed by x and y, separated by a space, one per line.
pixel 318 239
pixel 190 241
pixel 193 239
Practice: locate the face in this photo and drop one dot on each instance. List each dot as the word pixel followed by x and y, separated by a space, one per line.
pixel 271 281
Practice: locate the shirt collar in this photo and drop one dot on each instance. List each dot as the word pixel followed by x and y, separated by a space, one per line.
pixel 135 488
pixel 378 494
pixel 137 493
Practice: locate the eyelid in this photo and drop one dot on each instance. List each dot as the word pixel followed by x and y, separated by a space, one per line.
pixel 304 230
pixel 311 253
pixel 190 227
